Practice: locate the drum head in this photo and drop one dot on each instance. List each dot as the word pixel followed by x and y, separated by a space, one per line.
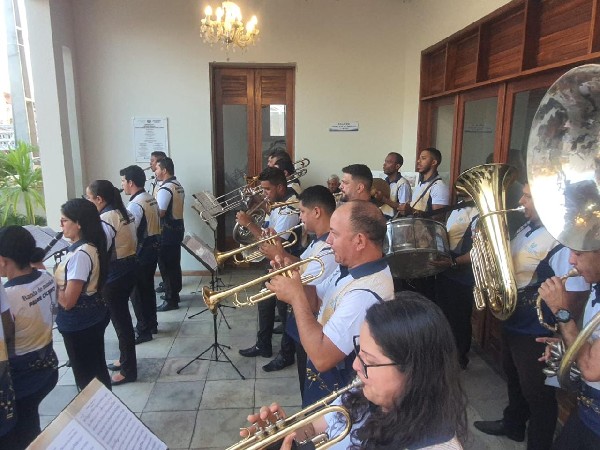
pixel 412 243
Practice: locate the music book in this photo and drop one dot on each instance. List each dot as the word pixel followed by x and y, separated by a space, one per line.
pixel 96 420
pixel 45 236
pixel 200 250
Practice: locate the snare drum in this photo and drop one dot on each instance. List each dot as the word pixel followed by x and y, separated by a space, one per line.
pixel 411 243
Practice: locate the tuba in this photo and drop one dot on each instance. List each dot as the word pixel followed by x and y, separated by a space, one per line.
pixel 563 168
pixel 276 431
pixel 493 270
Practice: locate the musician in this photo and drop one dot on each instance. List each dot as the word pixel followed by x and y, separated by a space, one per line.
pixel 286 164
pixel 144 209
pixel 356 183
pixel 431 192
pixel 31 296
pixel 8 418
pixel 317 204
pixel 154 158
pixel 274 185
pixel 400 190
pixel 582 430
pixel 276 155
pixel 536 256
pixel 454 286
pixel 119 228
pixel 357 230
pixel 333 184
pixel 412 395
pixel 170 198
pixel 82 312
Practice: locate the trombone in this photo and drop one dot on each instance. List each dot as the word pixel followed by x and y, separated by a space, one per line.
pixel 213 298
pixel 291 206
pixel 274 432
pixel 221 257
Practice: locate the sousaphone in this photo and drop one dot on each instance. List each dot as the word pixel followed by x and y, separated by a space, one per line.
pixel 563 167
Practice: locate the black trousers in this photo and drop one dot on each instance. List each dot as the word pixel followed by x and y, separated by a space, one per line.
pixel 266 322
pixel 116 293
pixel 301 365
pixel 85 349
pixel 456 301
pixel 528 397
pixel 576 436
pixel 169 263
pixel 27 427
pixel 143 299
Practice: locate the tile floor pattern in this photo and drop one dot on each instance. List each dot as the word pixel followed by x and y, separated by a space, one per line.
pixel 205 405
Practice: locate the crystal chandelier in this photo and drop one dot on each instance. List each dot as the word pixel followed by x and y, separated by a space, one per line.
pixel 227 27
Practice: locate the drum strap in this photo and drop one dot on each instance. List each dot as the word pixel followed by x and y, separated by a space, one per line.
pixel 425 191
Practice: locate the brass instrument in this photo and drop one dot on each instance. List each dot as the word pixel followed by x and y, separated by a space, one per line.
pixel 538 303
pixel 563 168
pixel 278 430
pixel 292 205
pixel 221 257
pixel 490 255
pixel 209 206
pixel 212 298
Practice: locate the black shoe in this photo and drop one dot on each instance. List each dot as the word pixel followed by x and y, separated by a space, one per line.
pixel 463 362
pixel 163 297
pixel 277 364
pixel 277 319
pixel 160 289
pixel 255 351
pixel 278 329
pixel 113 367
pixel 141 338
pixel 154 330
pixel 166 306
pixel 497 428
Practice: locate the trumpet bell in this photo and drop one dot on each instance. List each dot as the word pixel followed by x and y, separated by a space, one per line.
pixel 563 159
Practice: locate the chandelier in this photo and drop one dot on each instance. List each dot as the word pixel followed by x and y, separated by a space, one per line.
pixel 227 27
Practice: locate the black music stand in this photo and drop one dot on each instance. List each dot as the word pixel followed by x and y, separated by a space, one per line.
pixel 199 250
pixel 204 254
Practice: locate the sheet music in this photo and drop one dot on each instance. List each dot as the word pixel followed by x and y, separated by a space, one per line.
pixel 200 250
pixel 43 236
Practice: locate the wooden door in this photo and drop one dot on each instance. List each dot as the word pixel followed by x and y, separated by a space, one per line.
pixel 252 114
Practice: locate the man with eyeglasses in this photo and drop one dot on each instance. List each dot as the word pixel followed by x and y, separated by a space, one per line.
pixel 363 278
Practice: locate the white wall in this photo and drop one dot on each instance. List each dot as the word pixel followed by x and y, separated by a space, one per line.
pixel 356 61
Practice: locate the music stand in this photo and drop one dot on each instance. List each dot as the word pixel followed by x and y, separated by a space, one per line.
pixel 202 252
pixel 49 240
pixel 205 255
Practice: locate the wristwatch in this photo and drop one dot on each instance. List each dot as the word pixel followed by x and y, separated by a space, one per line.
pixel 563 316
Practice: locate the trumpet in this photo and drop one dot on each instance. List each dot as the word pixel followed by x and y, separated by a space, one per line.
pixel 279 429
pixel 221 257
pixel 538 303
pixel 213 298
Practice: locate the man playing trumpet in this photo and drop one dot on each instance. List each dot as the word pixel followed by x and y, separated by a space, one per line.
pixel 582 430
pixel 317 204
pixel 363 278
pixel 274 185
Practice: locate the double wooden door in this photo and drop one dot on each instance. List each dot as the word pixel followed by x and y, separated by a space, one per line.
pixel 252 114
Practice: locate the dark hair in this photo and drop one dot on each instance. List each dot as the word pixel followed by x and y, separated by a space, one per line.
pixel 413 332
pixel 318 196
pixel 18 244
pixel 435 153
pixel 111 195
pixel 273 175
pixel 285 164
pixel 360 172
pixel 167 164
pixel 366 218
pixel 278 153
pixel 134 173
pixel 398 156
pixel 158 155
pixel 84 213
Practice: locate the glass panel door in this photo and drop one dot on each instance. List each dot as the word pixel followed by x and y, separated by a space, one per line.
pixel 443 128
pixel 273 122
pixel 479 132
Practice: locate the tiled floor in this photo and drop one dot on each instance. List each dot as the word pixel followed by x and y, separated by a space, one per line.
pixel 205 405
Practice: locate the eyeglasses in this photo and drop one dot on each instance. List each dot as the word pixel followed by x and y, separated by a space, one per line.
pixel 62 221
pixel 364 366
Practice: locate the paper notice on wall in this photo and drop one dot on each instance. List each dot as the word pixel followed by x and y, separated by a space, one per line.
pixel 150 134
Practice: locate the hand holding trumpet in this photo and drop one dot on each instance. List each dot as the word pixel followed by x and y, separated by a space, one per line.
pixel 288 288
pixel 266 416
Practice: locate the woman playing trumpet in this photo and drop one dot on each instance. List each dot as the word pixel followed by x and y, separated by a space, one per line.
pixel 411 396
